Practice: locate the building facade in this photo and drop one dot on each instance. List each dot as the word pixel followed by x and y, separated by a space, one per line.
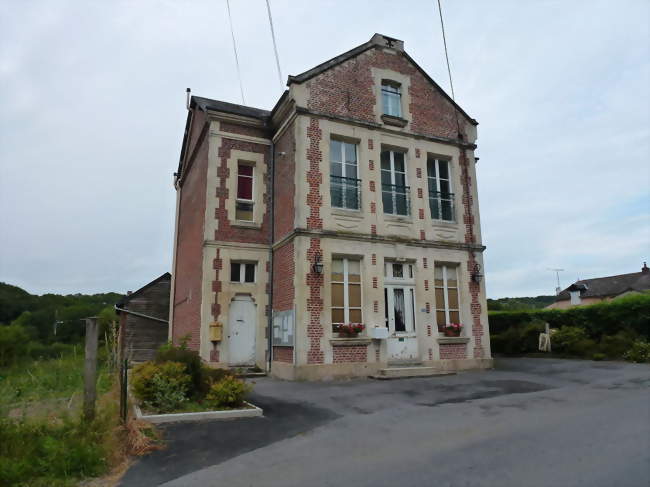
pixel 353 201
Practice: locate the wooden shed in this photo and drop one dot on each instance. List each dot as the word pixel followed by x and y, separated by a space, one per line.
pixel 144 316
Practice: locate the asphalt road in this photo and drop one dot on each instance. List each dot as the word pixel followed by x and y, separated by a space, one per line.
pixel 528 423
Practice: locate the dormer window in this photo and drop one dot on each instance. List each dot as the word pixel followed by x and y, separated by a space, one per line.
pixel 391 95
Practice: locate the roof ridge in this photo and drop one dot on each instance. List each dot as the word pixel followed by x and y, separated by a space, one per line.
pixel 609 277
pixel 230 103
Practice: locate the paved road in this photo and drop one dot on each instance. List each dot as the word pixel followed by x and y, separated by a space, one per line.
pixel 528 423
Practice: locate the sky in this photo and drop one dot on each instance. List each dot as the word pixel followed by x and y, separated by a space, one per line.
pixel 92 113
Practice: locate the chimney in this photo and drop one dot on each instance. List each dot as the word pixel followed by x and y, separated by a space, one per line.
pixel 645 268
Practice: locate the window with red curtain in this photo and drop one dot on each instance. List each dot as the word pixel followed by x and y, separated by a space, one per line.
pixel 245 182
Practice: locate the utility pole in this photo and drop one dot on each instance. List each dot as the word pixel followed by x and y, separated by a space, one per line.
pixel 557 275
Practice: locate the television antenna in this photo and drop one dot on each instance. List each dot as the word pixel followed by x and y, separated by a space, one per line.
pixel 557 275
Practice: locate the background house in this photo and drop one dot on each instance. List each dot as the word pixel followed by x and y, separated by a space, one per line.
pixel 144 319
pixel 591 291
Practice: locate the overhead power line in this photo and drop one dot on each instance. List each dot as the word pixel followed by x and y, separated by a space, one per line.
pixel 234 46
pixel 444 41
pixel 275 47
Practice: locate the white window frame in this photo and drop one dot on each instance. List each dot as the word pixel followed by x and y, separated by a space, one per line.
pixel 243 200
pixel 408 272
pixel 392 182
pixel 445 287
pixel 437 179
pixel 343 172
pixel 395 96
pixel 346 294
pixel 242 271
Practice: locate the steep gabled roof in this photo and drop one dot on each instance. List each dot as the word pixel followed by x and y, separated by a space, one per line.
pixel 608 286
pixel 378 41
pixel 223 106
pixel 128 297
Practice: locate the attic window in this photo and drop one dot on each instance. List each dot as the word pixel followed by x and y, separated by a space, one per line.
pixel 391 95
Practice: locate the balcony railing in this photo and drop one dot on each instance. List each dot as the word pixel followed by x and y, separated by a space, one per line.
pixel 345 192
pixel 442 206
pixel 396 199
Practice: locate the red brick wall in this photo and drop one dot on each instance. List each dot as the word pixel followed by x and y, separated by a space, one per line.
pixel 314 281
pixel 225 231
pixel 353 353
pixel 283 354
pixel 470 237
pixel 349 90
pixel 189 248
pixel 453 351
pixel 283 273
pixel 285 169
pixel 244 130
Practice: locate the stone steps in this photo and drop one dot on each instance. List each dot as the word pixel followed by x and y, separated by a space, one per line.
pixel 405 371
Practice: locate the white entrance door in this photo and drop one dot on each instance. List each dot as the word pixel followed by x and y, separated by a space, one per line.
pixel 402 340
pixel 241 331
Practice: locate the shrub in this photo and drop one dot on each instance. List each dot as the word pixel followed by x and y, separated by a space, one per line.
pixel 598 356
pixel 572 340
pixel 169 392
pixel 161 386
pixel 639 353
pixel 629 313
pixel 40 351
pixel 210 376
pixel 227 393
pixel 13 343
pixel 191 359
pixel 615 346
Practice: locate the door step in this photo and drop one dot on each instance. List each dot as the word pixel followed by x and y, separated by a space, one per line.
pixel 403 372
pixel 244 371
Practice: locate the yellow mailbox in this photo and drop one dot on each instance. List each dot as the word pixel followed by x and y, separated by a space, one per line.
pixel 216 331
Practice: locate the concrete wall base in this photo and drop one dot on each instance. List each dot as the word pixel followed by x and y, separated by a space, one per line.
pixel 317 372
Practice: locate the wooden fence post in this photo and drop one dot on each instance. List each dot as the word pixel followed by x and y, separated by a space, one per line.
pixel 90 369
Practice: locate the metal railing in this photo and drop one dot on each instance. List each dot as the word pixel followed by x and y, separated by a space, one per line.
pixel 345 192
pixel 442 205
pixel 396 199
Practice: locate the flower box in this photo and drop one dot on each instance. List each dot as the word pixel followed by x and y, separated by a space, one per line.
pixel 350 331
pixel 452 329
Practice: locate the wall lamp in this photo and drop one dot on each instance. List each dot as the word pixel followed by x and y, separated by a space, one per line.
pixel 317 266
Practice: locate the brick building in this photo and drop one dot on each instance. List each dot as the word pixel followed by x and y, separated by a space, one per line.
pixel 353 201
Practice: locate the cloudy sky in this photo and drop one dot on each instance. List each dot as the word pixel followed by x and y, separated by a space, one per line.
pixel 92 116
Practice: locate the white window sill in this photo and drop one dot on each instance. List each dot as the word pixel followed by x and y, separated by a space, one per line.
pixel 445 223
pixel 347 212
pixel 397 218
pixel 452 340
pixel 245 224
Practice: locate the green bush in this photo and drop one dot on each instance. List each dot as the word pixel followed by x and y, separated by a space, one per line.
pixel 169 392
pixel 227 393
pixel 630 313
pixel 598 356
pixel 50 453
pixel 640 352
pixel 515 340
pixel 13 344
pixel 572 340
pixel 191 359
pixel 41 351
pixel 615 346
pixel 160 386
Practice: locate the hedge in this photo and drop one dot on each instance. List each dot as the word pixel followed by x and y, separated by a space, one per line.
pixel 630 313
